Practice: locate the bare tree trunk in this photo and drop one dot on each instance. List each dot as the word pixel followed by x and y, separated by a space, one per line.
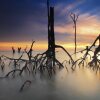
pixel 74 18
pixel 51 37
pixel 75 39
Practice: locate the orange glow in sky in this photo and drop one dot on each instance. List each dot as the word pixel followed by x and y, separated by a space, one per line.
pixel 88 28
pixel 36 46
pixel 23 45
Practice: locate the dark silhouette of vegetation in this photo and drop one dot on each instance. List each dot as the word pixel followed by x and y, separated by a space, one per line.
pixel 47 61
pixel 26 83
pixel 44 62
pixel 74 18
pixel 94 62
pixel 19 49
pixel 13 50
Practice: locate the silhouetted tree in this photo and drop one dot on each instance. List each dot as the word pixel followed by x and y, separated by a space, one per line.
pixel 74 18
pixel 51 37
pixel 13 50
pixel 19 49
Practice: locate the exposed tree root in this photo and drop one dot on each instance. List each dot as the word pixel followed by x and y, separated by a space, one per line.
pixel 26 83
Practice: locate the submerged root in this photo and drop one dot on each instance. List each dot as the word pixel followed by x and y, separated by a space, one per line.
pixel 26 83
pixel 12 72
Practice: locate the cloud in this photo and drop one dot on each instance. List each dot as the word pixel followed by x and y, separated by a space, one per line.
pixel 65 8
pixel 88 28
pixel 24 21
pixel 87 24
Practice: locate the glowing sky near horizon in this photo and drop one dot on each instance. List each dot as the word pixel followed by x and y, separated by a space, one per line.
pixel 22 21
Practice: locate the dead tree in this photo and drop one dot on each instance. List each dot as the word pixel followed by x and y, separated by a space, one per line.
pixel 29 53
pixel 95 59
pixel 13 50
pixel 46 61
pixel 19 49
pixel 74 18
pixel 51 37
pixel 95 62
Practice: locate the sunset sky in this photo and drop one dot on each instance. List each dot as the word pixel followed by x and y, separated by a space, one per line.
pixel 22 21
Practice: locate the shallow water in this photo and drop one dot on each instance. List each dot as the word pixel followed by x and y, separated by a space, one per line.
pixel 82 84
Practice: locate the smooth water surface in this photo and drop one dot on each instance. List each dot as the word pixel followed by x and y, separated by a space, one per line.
pixel 82 84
